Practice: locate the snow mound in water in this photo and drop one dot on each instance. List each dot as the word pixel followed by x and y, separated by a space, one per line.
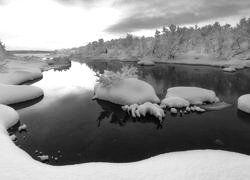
pixel 215 106
pixel 8 117
pixel 18 77
pixel 146 108
pixel 146 63
pixel 244 103
pixel 11 94
pixel 229 69
pixel 126 92
pixel 176 102
pixel 193 95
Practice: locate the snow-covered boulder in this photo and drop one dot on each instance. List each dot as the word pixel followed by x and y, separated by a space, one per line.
pixel 11 94
pixel 215 106
pixel 176 102
pixel 126 92
pixel 146 63
pixel 229 69
pixel 194 95
pixel 244 103
pixel 173 111
pixel 144 109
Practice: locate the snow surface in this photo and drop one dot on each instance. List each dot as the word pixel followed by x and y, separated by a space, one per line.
pixel 244 103
pixel 194 95
pixel 11 94
pixel 127 92
pixel 176 102
pixel 143 109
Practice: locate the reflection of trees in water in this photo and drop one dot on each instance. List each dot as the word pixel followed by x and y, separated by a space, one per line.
pixel 120 117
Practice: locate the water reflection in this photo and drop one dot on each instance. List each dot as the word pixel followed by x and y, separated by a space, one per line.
pixel 79 76
pixel 121 118
pixel 245 117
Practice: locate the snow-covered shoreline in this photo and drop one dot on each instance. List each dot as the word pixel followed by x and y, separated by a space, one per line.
pixel 180 60
pixel 196 165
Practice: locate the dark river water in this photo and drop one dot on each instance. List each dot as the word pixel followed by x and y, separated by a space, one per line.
pixel 66 123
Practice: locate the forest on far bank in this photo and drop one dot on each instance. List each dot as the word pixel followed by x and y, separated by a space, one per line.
pixel 219 41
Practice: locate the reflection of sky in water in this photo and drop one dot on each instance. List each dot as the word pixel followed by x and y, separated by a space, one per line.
pixel 79 77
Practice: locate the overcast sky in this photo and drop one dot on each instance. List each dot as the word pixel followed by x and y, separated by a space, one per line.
pixel 54 24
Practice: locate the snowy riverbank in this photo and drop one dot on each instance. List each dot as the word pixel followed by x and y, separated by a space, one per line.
pixel 185 59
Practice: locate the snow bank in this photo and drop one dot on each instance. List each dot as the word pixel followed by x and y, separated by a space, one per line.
pixel 193 95
pixel 126 92
pixel 244 103
pixel 18 77
pixel 11 94
pixel 176 102
pixel 146 108
pixel 8 117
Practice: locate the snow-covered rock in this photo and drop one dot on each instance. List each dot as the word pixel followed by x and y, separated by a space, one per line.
pixel 176 102
pixel 173 111
pixel 198 109
pixel 13 137
pixel 215 106
pixel 23 127
pixel 126 92
pixel 229 69
pixel 43 158
pixel 188 109
pixel 194 95
pixel 11 94
pixel 244 103
pixel 144 109
pixel 146 63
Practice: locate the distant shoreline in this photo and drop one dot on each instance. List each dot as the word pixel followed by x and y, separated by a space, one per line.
pixel 28 51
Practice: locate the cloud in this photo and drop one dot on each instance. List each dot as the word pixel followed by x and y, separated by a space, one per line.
pixel 148 14
pixel 87 3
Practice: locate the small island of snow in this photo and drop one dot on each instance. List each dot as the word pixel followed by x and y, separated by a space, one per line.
pixel 183 96
pixel 124 88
